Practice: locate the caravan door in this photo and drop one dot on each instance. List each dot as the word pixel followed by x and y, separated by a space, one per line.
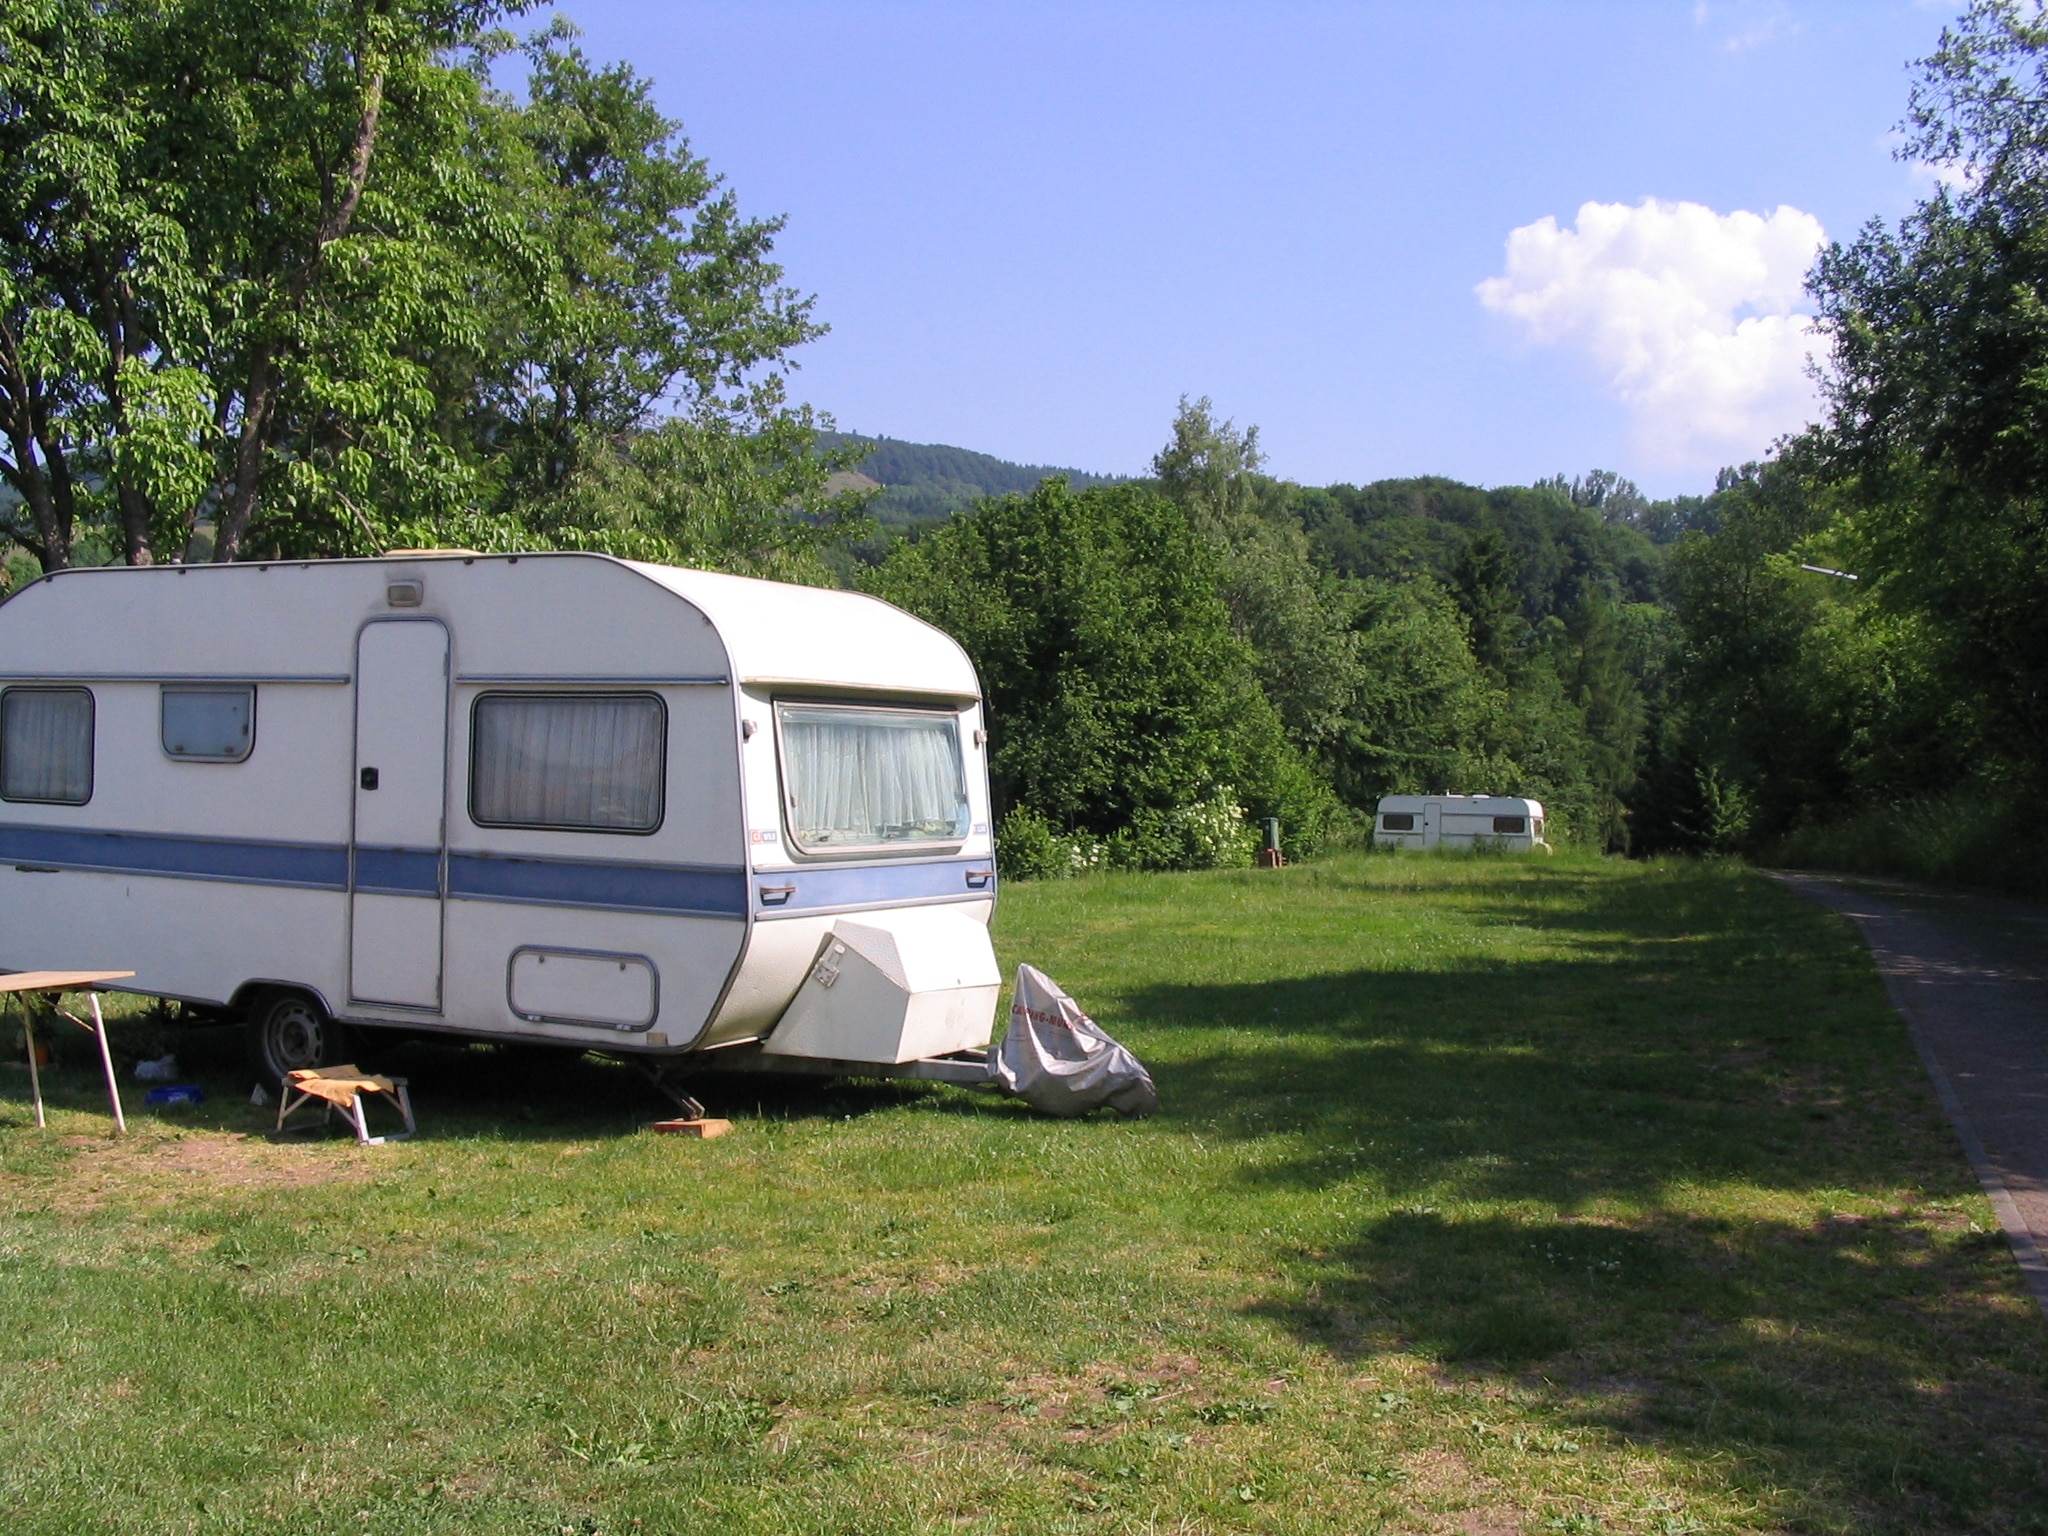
pixel 396 858
pixel 1432 822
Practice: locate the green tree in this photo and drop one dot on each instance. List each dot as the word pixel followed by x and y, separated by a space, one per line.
pixel 232 230
pixel 1417 717
pixel 297 268
pixel 1591 658
pixel 1297 622
pixel 1938 387
pixel 1485 584
pixel 751 500
pixel 657 300
pixel 100 299
pixel 1116 687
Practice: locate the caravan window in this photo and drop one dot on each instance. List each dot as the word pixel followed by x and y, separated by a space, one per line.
pixel 210 724
pixel 1398 821
pixel 1505 826
pixel 871 778
pixel 46 745
pixel 577 762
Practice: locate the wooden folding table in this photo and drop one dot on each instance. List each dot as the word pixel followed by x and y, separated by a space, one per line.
pixel 54 982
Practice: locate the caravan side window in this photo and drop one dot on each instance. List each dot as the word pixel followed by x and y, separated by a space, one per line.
pixel 209 724
pixel 1398 821
pixel 46 745
pixel 579 762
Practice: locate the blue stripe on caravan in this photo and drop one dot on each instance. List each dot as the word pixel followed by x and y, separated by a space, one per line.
pixel 866 884
pixel 618 887
pixel 399 871
pixel 317 865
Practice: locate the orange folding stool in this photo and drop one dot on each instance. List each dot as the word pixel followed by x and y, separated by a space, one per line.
pixel 344 1088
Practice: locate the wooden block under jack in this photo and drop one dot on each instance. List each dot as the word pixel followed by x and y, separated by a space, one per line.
pixel 704 1130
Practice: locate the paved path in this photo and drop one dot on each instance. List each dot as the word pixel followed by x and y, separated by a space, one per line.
pixel 1970 973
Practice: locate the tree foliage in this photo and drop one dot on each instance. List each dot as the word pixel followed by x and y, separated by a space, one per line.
pixel 1937 432
pixel 1120 695
pixel 295 272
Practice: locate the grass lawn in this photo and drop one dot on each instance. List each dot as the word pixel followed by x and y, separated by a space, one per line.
pixel 1485 1196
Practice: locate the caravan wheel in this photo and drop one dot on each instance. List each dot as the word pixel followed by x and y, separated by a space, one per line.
pixel 288 1031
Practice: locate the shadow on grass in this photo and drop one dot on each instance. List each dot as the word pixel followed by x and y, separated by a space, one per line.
pixel 1859 1362
pixel 460 1090
pixel 1705 1027
pixel 1611 1170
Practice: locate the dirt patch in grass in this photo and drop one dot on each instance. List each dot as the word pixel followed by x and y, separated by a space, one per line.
pixel 1441 1477
pixel 1491 1522
pixel 165 1170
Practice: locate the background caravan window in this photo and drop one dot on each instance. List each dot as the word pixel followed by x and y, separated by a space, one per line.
pixel 867 778
pixel 211 724
pixel 580 762
pixel 46 745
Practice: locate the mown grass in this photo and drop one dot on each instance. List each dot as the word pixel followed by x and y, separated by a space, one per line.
pixel 1486 1196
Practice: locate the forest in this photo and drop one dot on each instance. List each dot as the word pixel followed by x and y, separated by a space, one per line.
pixel 929 482
pixel 299 279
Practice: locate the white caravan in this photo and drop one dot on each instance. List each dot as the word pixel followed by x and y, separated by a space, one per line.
pixel 1458 821
pixel 554 797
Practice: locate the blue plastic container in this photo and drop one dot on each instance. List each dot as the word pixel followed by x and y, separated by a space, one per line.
pixel 176 1093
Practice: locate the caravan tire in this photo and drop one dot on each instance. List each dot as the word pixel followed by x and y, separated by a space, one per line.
pixel 289 1031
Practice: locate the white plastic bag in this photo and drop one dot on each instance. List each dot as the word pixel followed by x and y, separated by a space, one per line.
pixel 1057 1059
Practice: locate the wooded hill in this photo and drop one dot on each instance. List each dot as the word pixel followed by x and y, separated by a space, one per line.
pixel 928 482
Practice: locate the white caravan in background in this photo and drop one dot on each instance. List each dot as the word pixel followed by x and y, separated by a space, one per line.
pixel 553 797
pixel 1458 821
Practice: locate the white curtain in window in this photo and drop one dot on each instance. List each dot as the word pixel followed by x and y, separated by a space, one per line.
pixel 547 760
pixel 46 745
pixel 861 776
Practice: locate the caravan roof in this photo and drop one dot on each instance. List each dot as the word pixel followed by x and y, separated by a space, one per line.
pixel 772 633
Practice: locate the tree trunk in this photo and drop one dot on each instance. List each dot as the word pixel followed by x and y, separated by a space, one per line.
pixel 51 543
pixel 256 403
pixel 135 527
pixel 63 510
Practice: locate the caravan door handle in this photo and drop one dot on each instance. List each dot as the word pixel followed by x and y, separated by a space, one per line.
pixel 776 895
pixel 978 879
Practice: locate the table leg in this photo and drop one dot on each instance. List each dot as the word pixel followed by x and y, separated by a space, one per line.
pixel 35 1077
pixel 99 1028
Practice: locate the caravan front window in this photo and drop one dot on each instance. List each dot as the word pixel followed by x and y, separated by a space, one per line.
pixel 871 778
pixel 46 745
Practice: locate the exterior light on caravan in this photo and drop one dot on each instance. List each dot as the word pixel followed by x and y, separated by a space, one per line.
pixel 404 594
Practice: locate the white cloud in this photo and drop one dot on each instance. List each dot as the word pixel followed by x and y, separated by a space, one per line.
pixel 1746 24
pixel 1693 318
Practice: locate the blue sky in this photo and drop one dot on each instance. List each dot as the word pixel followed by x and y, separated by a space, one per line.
pixel 1032 227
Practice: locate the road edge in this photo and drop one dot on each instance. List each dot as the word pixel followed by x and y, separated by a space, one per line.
pixel 2033 1265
